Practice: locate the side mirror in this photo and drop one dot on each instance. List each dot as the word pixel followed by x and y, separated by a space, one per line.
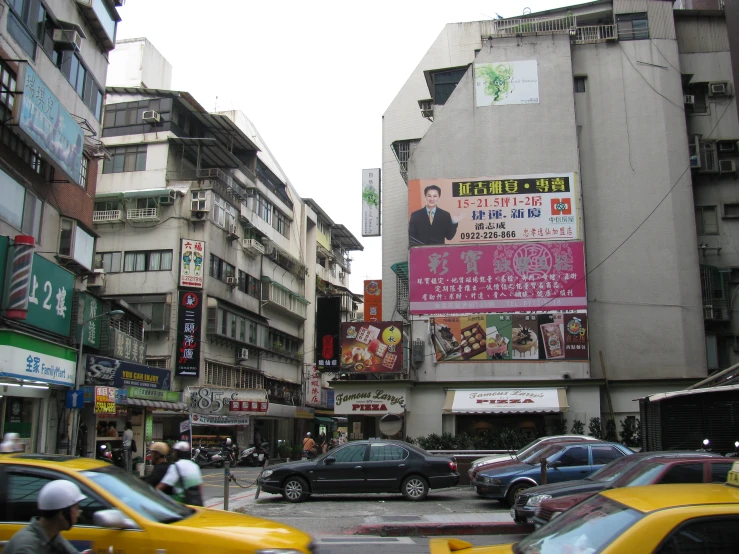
pixel 113 519
pixel 329 460
pixel 555 464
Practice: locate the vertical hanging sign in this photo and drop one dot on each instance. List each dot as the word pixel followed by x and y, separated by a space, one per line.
pixel 371 202
pixel 192 254
pixel 189 318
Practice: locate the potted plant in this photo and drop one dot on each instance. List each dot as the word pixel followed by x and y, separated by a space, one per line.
pixel 284 450
pixel 297 451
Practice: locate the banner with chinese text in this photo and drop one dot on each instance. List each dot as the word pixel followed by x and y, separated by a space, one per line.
pixel 493 209
pixel 313 398
pixel 373 300
pixel 192 254
pixel 497 278
pixel 328 320
pixel 372 347
pixel 511 337
pixel 189 321
pixel 104 400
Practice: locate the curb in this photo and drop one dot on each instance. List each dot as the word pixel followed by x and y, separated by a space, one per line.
pixel 437 529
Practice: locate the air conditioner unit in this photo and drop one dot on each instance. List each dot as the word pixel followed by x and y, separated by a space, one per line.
pixel 232 281
pixel 689 99
pixel 68 38
pixel 725 146
pixel 242 354
pixel 151 116
pixel 726 166
pixel 718 89
pixel 342 275
pixel 96 280
pixel 233 229
pixel 168 200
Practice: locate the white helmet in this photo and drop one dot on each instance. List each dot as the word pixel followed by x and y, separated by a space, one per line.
pixel 58 495
pixel 228 441
pixel 307 434
pixel 182 446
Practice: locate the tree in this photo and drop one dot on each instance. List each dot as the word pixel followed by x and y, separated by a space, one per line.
pixel 595 429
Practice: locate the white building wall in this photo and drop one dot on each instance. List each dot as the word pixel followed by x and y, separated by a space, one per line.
pixel 137 63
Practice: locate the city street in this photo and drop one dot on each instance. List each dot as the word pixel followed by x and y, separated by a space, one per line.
pixel 396 545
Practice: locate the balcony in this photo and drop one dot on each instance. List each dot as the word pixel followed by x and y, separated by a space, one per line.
pixel 499 28
pixel 214 178
pixel 593 34
pixel 252 247
pixel 278 296
pixel 141 215
pixel 108 216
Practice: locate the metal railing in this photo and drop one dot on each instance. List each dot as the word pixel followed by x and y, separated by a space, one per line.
pixel 143 214
pixel 595 33
pixel 107 216
pixel 219 178
pixel 528 26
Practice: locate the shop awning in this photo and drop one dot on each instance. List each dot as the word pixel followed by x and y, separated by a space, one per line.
pixel 505 401
pixel 341 420
pixel 324 420
pixel 158 404
pixel 689 392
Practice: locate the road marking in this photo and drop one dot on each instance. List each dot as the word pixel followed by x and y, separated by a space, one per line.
pixel 364 540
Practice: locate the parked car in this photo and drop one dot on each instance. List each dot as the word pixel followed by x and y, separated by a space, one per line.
pixel 370 466
pixel 665 519
pixel 124 514
pixel 565 462
pixel 695 468
pixel 534 446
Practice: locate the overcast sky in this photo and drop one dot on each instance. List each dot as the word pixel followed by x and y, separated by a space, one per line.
pixel 314 77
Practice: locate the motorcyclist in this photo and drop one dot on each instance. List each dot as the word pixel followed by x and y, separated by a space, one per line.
pixel 309 445
pixel 58 504
pixel 159 451
pixel 184 476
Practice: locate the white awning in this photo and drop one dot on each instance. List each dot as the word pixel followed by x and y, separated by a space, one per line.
pixel 158 404
pixel 689 392
pixel 505 401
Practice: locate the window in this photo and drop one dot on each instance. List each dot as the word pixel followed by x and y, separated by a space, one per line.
pixel 220 269
pixel 575 456
pixel 83 171
pixel 632 26
pixel 731 211
pixel 7 90
pixel 160 363
pixel 708 159
pixel 698 91
pixel 66 237
pixel 199 202
pixel 706 220
pixel 219 211
pixel 20 207
pixel 126 158
pixel 715 535
pixel 110 262
pixel 265 209
pixel 155 260
pixel 683 473
pixel 248 284
pixel 605 454
pixel 580 84
pixel 382 452
pixel 351 453
pixel 720 471
pixel 81 79
pixel 444 83
pixel 281 223
pixel 159 312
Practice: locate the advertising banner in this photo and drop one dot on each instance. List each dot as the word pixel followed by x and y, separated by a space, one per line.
pixel 511 337
pixel 373 300
pixel 104 400
pixel 372 348
pixel 328 320
pixel 508 401
pixel 153 394
pixel 189 321
pixel 208 400
pixel 110 372
pixel 88 308
pixel 32 359
pixel 313 398
pixel 371 202
pixel 492 209
pixel 497 278
pixel 125 347
pixel 192 254
pixel 218 420
pixel 368 400
pixel 502 83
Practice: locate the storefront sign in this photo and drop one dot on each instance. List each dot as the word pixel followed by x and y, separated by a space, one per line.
pixel 248 406
pixel 330 398
pixel 42 118
pixel 371 202
pixel 208 400
pixel 149 427
pixel 328 320
pixel 493 210
pixel 88 309
pixel 126 347
pixel 218 420
pixel 504 83
pixel 313 397
pixel 153 394
pixel 375 401
pixel 372 347
pixel 324 397
pixel 31 359
pixel 373 300
pixel 498 278
pixel 506 400
pixel 192 254
pixel 104 400
pixel 116 373
pixel 189 321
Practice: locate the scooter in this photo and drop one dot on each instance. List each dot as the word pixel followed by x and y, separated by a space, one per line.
pixel 254 456
pixel 204 457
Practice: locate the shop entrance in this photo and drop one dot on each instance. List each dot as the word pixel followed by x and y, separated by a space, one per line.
pixel 481 425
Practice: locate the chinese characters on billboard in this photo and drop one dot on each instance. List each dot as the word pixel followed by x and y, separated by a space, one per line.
pixel 498 278
pixel 313 398
pixel 192 254
pixel 372 347
pixel 104 400
pixel 373 300
pixel 511 337
pixel 328 319
pixel 189 318
pixel 492 210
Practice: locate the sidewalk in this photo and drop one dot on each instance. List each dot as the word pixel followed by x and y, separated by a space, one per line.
pixel 434 525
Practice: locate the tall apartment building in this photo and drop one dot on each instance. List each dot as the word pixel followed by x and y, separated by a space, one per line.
pixel 53 65
pixel 568 157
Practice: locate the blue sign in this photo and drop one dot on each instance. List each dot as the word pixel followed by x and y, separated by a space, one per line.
pixel 109 372
pixel 75 399
pixel 330 398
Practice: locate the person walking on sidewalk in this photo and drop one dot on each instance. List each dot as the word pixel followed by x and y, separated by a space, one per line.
pixel 184 477
pixel 127 445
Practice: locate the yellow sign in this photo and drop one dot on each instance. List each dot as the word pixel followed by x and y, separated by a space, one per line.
pixel 104 400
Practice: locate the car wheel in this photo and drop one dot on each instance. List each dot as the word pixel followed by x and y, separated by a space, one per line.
pixel 294 489
pixel 515 491
pixel 415 488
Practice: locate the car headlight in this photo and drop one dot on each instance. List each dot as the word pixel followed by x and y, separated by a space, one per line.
pixel 492 481
pixel 267 473
pixel 555 514
pixel 538 499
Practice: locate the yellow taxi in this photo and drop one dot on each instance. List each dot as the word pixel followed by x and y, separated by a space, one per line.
pixel 661 519
pixel 122 514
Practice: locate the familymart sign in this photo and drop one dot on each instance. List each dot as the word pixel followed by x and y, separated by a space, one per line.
pixel 32 359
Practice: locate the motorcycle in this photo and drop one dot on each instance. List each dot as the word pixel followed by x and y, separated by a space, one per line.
pixel 254 456
pixel 204 457
pixel 111 455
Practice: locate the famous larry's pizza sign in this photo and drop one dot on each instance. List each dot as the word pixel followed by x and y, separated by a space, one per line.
pixel 369 402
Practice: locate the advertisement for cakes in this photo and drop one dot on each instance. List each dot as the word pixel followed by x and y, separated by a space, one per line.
pixel 510 337
pixel 372 347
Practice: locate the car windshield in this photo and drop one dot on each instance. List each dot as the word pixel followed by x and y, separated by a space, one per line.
pixel 611 471
pixel 138 495
pixel 544 452
pixel 588 528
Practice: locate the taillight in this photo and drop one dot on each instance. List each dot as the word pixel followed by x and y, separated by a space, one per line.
pixel 453 466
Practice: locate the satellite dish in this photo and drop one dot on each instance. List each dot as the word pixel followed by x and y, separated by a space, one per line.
pixel 526 11
pixel 391 425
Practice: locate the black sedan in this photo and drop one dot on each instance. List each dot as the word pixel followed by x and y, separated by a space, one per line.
pixel 373 466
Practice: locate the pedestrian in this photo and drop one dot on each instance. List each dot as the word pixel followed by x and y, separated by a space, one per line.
pixel 159 451
pixel 321 442
pixel 184 477
pixel 309 445
pixel 58 505
pixel 127 446
pixel 112 431
pixel 257 437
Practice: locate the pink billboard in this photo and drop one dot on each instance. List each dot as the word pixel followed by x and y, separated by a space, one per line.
pixel 497 278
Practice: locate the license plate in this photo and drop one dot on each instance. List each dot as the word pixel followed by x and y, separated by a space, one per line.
pixel 261 457
pixel 513 514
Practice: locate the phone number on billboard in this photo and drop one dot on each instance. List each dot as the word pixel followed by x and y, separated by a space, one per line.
pixel 488 235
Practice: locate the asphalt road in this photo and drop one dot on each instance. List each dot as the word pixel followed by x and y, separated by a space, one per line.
pixel 396 545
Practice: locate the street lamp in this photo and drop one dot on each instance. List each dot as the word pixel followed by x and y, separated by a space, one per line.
pixel 79 378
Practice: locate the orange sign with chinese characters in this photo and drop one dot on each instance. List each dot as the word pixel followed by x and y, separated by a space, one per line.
pixel 373 300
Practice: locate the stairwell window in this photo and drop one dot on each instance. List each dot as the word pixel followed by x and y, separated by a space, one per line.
pixel 147 260
pixel 580 84
pixel 706 220
pixel 632 26
pixel 126 158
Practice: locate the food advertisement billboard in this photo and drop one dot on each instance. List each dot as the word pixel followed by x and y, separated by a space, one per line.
pixel 375 347
pixel 511 337
pixel 498 278
pixel 493 209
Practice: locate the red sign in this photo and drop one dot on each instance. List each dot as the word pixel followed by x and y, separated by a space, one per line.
pixel 248 406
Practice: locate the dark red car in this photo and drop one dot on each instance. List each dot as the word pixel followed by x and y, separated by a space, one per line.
pixel 652 471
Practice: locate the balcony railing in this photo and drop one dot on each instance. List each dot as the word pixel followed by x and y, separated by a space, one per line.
pixel 107 216
pixel 143 214
pixel 528 26
pixel 592 34
pixel 217 178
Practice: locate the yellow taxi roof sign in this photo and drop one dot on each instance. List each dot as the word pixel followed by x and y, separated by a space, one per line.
pixel 733 477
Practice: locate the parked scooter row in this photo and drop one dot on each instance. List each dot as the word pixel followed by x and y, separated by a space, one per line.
pixel 111 455
pixel 254 455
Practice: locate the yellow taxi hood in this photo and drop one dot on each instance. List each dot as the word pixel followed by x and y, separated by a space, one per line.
pixel 655 497
pixel 54 461
pixel 257 530
pixel 449 546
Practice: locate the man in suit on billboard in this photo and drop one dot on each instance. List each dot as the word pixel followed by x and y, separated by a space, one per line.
pixel 431 224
